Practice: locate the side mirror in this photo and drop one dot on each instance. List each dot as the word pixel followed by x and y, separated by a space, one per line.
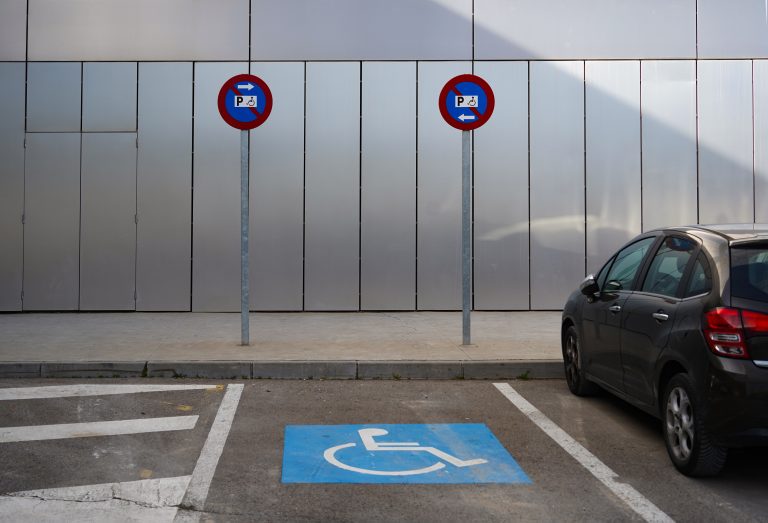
pixel 589 286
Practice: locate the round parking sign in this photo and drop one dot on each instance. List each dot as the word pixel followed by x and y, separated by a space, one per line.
pixel 245 101
pixel 466 102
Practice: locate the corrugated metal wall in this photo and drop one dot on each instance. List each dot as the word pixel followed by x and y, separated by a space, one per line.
pixel 611 118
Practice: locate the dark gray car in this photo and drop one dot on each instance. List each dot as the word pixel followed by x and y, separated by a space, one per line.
pixel 676 323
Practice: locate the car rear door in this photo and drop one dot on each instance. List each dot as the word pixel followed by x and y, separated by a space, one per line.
pixel 649 314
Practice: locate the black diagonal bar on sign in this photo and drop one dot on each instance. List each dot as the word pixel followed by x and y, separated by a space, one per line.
pixel 455 91
pixel 254 110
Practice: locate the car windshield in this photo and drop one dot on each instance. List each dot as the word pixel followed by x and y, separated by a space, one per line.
pixel 749 272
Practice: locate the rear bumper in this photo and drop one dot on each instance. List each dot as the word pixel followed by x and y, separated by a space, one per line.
pixel 737 413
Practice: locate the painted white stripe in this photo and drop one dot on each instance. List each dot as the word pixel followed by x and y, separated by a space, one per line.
pixel 636 501
pixel 64 391
pixel 97 428
pixel 159 492
pixel 34 510
pixel 209 456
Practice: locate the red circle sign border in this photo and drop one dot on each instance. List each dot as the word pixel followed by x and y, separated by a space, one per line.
pixel 490 104
pixel 237 124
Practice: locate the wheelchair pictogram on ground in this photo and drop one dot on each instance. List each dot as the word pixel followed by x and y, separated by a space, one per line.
pixel 436 453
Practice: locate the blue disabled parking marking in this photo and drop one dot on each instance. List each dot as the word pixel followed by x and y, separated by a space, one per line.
pixel 384 453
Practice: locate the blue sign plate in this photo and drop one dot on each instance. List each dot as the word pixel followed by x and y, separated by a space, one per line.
pixel 436 453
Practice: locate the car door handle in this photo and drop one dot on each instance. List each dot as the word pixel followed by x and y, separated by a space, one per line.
pixel 661 316
pixel 615 308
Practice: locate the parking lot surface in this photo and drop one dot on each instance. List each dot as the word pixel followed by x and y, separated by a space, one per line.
pixel 122 450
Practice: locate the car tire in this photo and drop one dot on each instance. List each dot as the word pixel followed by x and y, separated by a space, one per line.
pixel 688 441
pixel 574 374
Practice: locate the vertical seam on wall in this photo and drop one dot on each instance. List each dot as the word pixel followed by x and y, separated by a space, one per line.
pixel 640 111
pixel 26 41
pixel 698 159
pixel 192 198
pixel 250 37
pixel 360 194
pixel 24 184
pixel 530 291
pixel 80 202
pixel 473 36
pixel 584 180
pixel 304 203
pixel 136 202
pixel 416 225
pixel 754 166
pixel 696 84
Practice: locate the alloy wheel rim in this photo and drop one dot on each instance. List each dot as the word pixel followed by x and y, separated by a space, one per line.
pixel 680 424
pixel 572 359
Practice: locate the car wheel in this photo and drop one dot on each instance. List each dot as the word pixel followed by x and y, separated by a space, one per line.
pixel 688 442
pixel 574 374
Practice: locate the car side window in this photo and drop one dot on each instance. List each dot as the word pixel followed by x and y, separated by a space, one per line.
pixel 668 266
pixel 603 274
pixel 701 278
pixel 627 263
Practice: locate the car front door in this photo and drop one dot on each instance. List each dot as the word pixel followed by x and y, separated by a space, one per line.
pixel 649 314
pixel 602 315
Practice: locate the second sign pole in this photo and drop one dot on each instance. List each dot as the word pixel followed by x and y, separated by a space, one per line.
pixel 244 221
pixel 466 236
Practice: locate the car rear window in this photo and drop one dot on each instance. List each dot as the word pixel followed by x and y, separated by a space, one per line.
pixel 749 272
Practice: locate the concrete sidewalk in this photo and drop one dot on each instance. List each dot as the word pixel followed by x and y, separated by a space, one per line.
pixel 355 345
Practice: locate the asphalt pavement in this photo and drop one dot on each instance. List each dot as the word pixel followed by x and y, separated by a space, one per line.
pixel 364 450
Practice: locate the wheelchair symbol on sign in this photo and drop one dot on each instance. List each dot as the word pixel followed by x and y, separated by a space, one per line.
pixel 367 437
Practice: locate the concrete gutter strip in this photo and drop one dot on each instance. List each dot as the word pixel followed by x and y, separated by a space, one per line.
pixel 112 369
pixel 304 370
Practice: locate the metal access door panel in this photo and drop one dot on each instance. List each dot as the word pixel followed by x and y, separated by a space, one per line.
pixel 51 233
pixel 164 188
pixel 108 229
pixel 11 184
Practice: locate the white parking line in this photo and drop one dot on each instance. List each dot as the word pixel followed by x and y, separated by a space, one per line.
pixel 206 465
pixel 636 501
pixel 96 428
pixel 65 391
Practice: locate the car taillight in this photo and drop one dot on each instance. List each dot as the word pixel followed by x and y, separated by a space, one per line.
pixel 724 331
pixel 755 323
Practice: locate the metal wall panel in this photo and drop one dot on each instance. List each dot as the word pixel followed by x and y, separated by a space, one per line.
pixel 438 246
pixel 13 30
pixel 725 141
pixel 563 29
pixel 277 193
pixel 107 222
pixel 388 192
pixel 733 30
pixel 355 30
pixel 501 191
pixel 216 200
pixel 53 97
pixel 557 181
pixel 761 140
pixel 613 157
pixel 668 95
pixel 332 252
pixel 164 188
pixel 52 229
pixel 138 30
pixel 12 81
pixel 109 96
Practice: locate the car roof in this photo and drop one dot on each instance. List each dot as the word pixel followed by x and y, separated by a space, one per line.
pixel 732 232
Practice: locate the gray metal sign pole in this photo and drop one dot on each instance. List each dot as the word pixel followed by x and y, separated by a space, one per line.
pixel 466 237
pixel 244 286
